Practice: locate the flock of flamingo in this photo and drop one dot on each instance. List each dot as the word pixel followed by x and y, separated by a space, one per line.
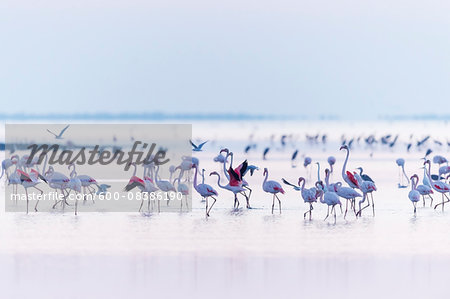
pixel 355 184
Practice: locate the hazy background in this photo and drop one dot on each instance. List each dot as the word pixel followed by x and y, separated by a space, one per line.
pixel 352 59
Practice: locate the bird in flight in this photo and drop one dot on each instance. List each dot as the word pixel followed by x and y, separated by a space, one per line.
pixel 60 133
pixel 197 148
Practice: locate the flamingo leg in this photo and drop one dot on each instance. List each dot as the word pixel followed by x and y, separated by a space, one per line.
pixel 328 213
pixel 431 204
pixel 423 198
pixel 42 192
pixel 248 198
pixel 76 204
pixel 279 202
pixel 360 202
pixel 273 202
pixel 212 205
pixel 26 192
pixel 346 207
pixel 206 211
pixel 414 204
pixel 373 204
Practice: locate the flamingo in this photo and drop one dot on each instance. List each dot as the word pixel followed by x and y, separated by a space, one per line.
pixel 135 182
pixel 235 189
pixel 348 194
pixel 438 186
pixel 439 160
pixel 235 177
pixel 75 185
pixel 366 187
pixel 204 190
pixel 330 197
pixel 149 187
pixel 6 164
pixel 272 187
pixel 309 195
pixel 364 176
pixel 184 190
pixel 164 185
pixel 425 190
pixel 401 163
pixel 57 181
pixel 414 195
pixel 30 181
pixel 348 177
pixel 331 161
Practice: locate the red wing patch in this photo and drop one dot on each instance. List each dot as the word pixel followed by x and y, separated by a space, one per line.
pixel 352 178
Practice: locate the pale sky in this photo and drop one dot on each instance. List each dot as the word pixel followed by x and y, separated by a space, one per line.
pixel 347 58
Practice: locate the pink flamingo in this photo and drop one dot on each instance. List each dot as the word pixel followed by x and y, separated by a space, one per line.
pixel 30 181
pixel 438 186
pixel 414 195
pixel 204 190
pixel 272 187
pixel 366 187
pixel 347 176
pixel 235 189
pixel 348 194
pixel 425 190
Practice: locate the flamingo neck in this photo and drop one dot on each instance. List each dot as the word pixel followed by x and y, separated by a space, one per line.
pixel 345 163
pixel 195 178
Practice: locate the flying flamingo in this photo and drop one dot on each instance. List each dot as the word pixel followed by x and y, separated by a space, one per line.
pixel 272 187
pixel 348 177
pixel 204 190
pixel 414 195
pixel 401 163
pixel 438 186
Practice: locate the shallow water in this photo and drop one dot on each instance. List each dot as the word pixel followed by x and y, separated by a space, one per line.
pixel 244 252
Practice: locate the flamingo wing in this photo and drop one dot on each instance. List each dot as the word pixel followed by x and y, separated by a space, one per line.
pixel 352 178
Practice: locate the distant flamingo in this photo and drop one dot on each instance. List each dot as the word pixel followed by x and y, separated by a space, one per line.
pixel 331 161
pixel 401 163
pixel 414 195
pixel 164 185
pixel 272 187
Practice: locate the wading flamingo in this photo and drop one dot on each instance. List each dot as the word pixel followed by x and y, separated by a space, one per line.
pixel 414 195
pixel 272 187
